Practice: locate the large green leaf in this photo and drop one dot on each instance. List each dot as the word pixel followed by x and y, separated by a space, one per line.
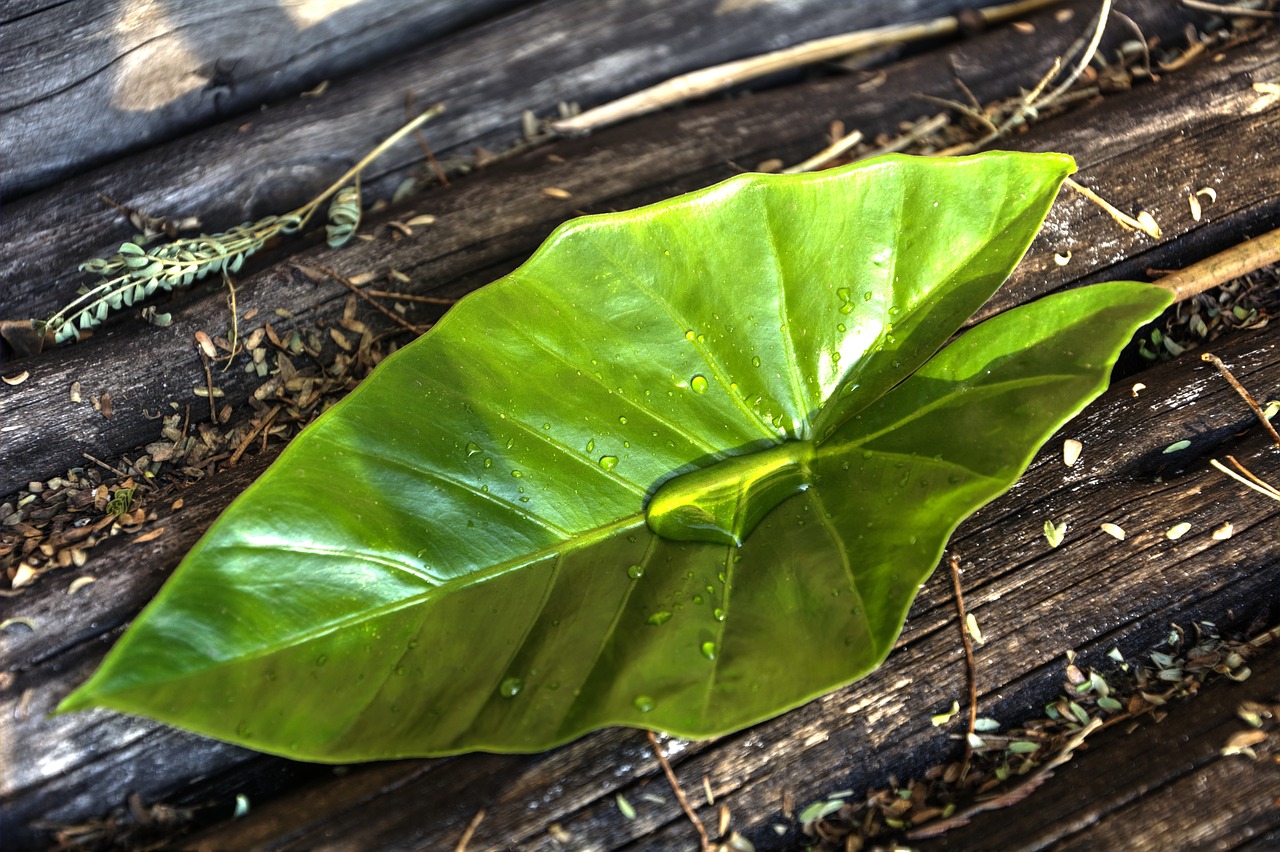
pixel 458 555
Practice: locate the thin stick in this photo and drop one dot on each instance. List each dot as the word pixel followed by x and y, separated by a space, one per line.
pixel 410 297
pixel 100 463
pixel 1150 229
pixel 346 282
pixel 953 562
pixel 422 143
pixel 248 439
pixel 703 840
pixel 1085 59
pixel 1224 266
pixel 827 154
pixel 208 380
pixel 705 81
pixel 1244 394
pixel 1261 489
pixel 471 830
pixel 310 207
pixel 1230 11
pixel 1249 474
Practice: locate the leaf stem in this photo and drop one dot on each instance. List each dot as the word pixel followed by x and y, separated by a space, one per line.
pixel 1224 266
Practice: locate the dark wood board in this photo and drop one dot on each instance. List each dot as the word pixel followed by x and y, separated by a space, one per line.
pixel 618 168
pixel 83 82
pixel 260 162
pixel 1033 603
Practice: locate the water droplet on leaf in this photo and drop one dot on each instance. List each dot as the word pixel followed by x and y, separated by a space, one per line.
pixel 635 572
pixel 698 384
pixel 659 618
pixel 472 448
pixel 511 687
pixel 709 650
pixel 643 703
pixel 608 462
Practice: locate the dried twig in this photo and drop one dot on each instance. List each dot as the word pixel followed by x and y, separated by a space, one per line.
pixel 708 80
pixel 346 282
pixel 471 830
pixel 1244 394
pixel 260 426
pixel 1224 266
pixel 1148 227
pixel 953 562
pixel 1231 11
pixel 703 840
pixel 827 154
pixel 1248 480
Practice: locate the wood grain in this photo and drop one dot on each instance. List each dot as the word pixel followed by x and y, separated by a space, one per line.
pixel 1033 602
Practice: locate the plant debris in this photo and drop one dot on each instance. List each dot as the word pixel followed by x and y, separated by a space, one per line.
pixel 1007 766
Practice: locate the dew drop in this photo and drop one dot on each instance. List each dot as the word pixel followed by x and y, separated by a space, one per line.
pixel 242 730
pixel 401 670
pixel 488 463
pixel 709 650
pixel 591 445
pixel 755 362
pixel 698 384
pixel 866 296
pixel 659 618
pixel 511 687
pixel 622 420
pixel 718 613
pixel 484 489
pixel 689 335
pixel 608 462
pixel 546 425
pixel 840 327
pixel 643 703
pixel 635 572
pixel 517 474
pixel 322 659
pixel 472 448
pixel 697 599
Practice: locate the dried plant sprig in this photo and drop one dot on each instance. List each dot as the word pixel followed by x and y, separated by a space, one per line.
pixel 344 215
pixel 134 273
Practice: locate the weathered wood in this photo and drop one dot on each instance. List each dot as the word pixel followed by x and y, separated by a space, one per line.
pixel 1033 603
pixel 621 167
pixel 265 162
pixel 83 82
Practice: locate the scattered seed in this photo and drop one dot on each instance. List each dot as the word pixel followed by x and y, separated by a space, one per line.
pixel 1062 259
pixel 1025 747
pixel 1177 447
pixel 23 620
pixel 149 535
pixel 362 278
pixel 971 625
pixel 422 219
pixel 79 583
pixel 74 395
pixel 724 817
pixel 397 275
pixel 1115 654
pixel 1149 225
pixel 1224 532
pixel 203 391
pixel 1241 741
pixel 1138 386
pixel 975 741
pixel 1177 531
pixel 1113 530
pixel 1195 207
pixel 940 719
pixel 627 809
pixel 18 379
pixel 556 192
pixel 1064 15
pixel 317 91
pixel 559 833
pixel 1024 27
pixel 206 344
pixel 986 724
pixel 1209 193
pixel 23 575
pixel 1071 449
pixel 773 164
pixel 1055 533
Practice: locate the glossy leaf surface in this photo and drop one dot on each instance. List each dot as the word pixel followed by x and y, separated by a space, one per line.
pixel 458 556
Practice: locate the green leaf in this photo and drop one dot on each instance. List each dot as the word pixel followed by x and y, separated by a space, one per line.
pixel 526 525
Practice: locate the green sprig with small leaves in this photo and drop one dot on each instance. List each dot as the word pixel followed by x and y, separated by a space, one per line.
pixel 134 273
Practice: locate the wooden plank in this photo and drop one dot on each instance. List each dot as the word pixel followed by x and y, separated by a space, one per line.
pixel 268 161
pixel 1018 592
pixel 84 82
pixel 468 246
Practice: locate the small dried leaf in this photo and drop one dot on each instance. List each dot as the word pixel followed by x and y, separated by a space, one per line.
pixel 1055 533
pixel 1177 446
pixel 1238 742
